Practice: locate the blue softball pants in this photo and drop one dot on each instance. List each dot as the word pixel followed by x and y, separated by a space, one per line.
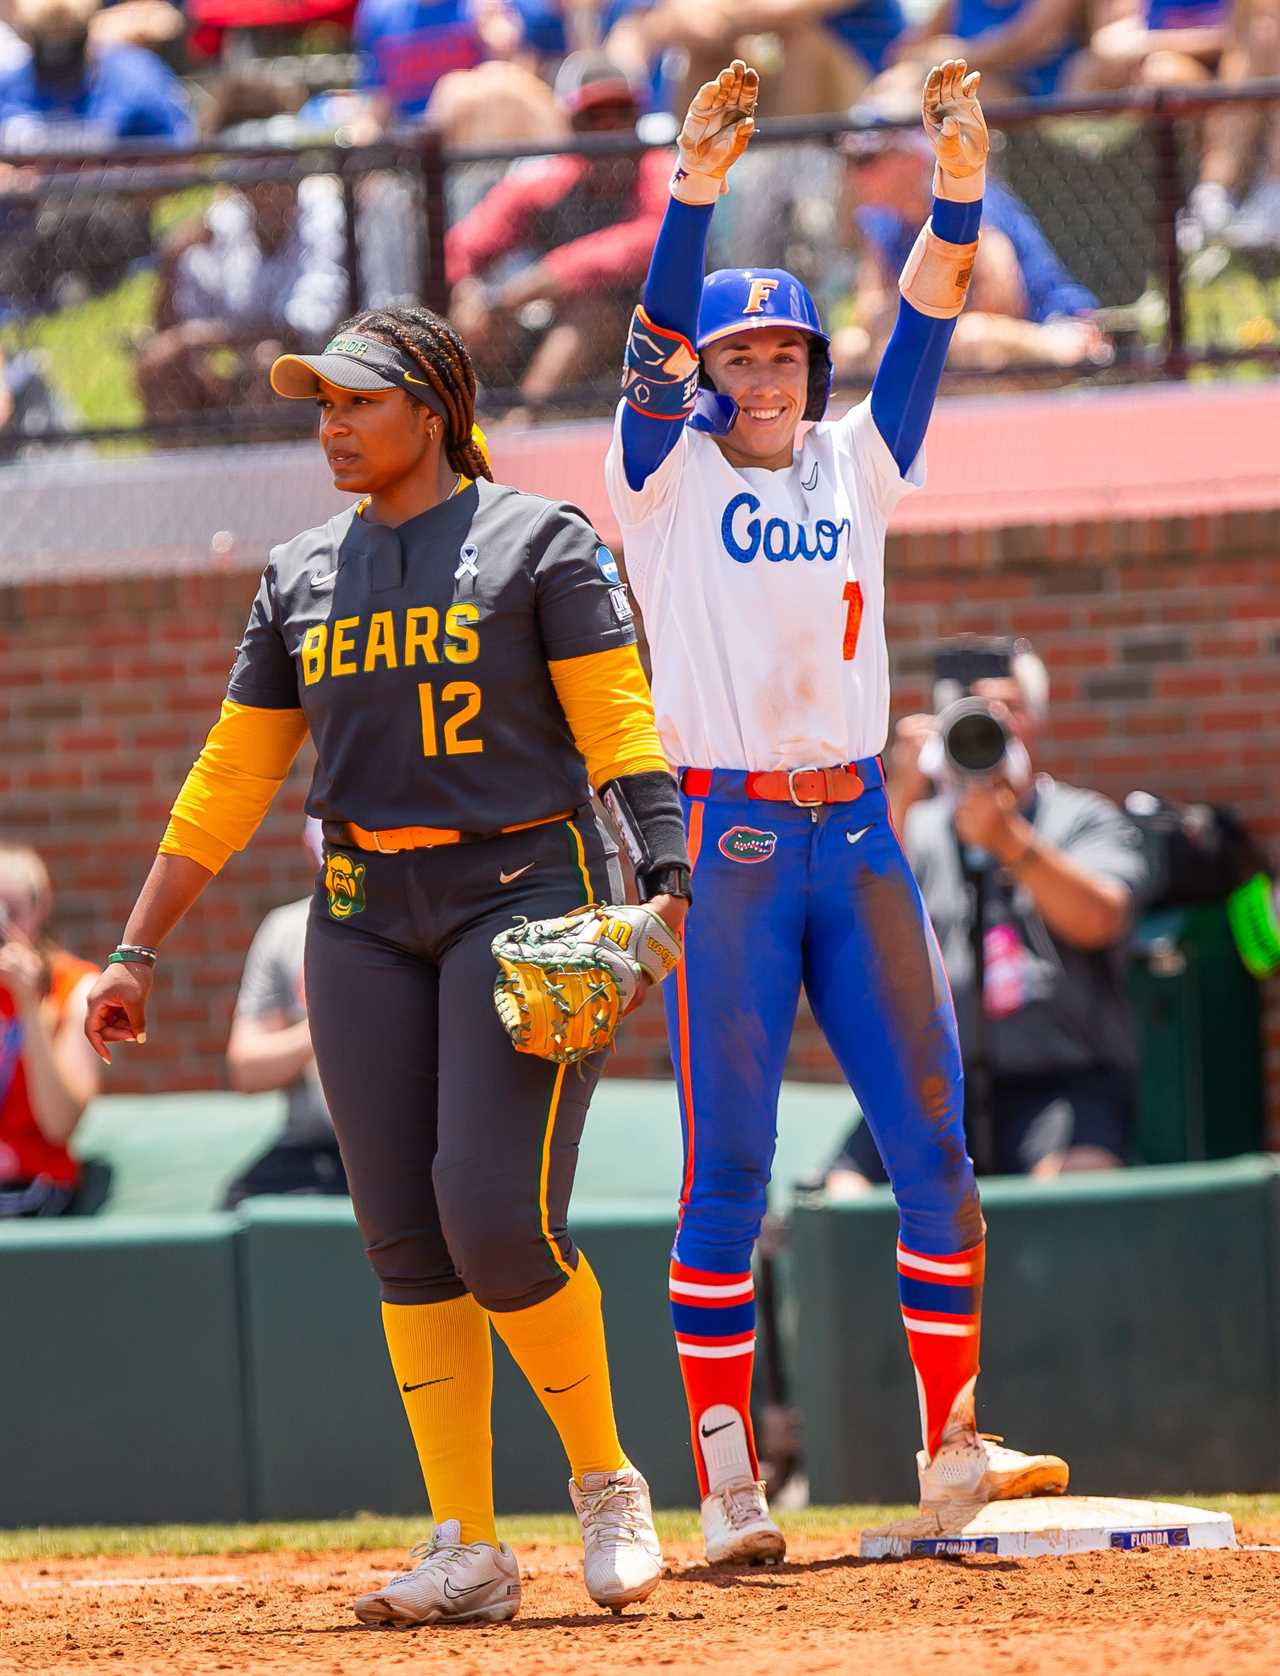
pixel 786 897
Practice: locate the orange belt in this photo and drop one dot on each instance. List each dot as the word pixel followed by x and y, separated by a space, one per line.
pixel 806 786
pixel 392 839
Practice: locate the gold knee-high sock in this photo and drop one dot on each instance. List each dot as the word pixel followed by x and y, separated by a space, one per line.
pixel 559 1347
pixel 443 1360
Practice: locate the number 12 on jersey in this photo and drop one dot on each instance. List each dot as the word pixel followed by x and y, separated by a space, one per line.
pixel 466 696
pixel 853 619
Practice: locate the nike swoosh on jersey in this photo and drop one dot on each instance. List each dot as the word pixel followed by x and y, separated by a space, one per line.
pixel 508 878
pixel 323 581
pixel 812 482
pixel 852 837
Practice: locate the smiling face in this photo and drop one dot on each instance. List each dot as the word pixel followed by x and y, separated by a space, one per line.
pixel 766 371
pixel 375 439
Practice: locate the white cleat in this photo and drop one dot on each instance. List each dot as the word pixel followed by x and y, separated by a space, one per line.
pixel 736 1526
pixel 972 1468
pixel 621 1559
pixel 454 1583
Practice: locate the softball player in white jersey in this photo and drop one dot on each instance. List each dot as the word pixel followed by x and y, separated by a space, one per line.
pixel 757 556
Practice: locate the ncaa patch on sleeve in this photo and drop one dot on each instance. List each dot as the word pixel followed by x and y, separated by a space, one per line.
pixel 621 605
pixel 608 565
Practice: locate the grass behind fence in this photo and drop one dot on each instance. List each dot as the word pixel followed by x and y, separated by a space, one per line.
pixel 88 350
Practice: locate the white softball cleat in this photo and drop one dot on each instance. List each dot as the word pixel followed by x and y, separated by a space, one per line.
pixel 456 1583
pixel 737 1529
pixel 621 1559
pixel 736 1526
pixel 973 1467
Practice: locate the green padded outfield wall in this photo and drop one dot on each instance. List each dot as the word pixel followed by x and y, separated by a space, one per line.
pixel 223 1367
pixel 1131 1323
pixel 121 1388
pixel 327 1431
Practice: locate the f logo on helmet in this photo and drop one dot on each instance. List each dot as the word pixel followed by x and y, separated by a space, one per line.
pixel 759 294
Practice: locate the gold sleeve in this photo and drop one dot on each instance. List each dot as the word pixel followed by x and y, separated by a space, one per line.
pixel 245 761
pixel 607 702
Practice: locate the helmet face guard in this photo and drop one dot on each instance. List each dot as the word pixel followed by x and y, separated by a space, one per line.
pixel 738 300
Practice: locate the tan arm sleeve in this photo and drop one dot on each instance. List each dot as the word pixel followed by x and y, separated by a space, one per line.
pixel 245 761
pixel 609 708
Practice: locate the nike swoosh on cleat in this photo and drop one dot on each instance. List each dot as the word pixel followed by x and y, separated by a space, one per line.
pixel 559 1390
pixel 852 837
pixel 422 1383
pixel 715 1429
pixel 457 1594
pixel 323 581
pixel 507 878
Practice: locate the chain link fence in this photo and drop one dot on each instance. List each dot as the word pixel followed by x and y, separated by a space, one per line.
pixel 143 294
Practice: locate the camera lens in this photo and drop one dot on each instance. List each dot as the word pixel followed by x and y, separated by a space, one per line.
pixel 975 742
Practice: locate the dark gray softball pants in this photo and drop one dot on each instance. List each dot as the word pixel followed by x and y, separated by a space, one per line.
pixel 460 1152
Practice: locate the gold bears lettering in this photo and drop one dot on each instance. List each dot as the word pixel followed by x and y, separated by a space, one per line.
pixel 389 640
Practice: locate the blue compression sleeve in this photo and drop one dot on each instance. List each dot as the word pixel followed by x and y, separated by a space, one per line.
pixel 672 293
pixel 906 381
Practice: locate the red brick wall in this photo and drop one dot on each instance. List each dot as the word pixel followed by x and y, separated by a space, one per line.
pixel 1162 639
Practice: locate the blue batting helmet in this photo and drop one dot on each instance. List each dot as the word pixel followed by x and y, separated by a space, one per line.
pixel 743 299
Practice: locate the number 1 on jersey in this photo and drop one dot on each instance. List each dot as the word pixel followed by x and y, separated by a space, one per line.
pixel 853 619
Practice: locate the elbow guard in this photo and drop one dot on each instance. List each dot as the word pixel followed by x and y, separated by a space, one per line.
pixel 935 278
pixel 660 372
pixel 645 808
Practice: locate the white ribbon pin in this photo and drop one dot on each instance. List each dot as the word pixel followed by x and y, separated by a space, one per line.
pixel 467 557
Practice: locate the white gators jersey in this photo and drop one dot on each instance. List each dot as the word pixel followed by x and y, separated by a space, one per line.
pixel 763 595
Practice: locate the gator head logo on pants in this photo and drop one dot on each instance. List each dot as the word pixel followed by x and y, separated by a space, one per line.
pixel 344 880
pixel 747 843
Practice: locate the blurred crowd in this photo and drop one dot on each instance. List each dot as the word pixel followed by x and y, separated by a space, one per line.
pixel 545 254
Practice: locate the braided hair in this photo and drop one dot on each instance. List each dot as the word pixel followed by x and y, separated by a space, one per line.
pixel 445 362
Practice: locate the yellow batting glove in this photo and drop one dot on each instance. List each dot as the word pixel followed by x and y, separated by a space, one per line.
pixel 957 129
pixel 716 130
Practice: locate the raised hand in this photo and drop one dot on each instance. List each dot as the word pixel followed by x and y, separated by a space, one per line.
pixel 955 124
pixel 719 123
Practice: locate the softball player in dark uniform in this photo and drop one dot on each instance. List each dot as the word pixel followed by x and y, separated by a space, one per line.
pixel 464 659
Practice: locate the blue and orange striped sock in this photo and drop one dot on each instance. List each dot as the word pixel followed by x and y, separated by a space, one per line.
pixel 941 1298
pixel 714 1316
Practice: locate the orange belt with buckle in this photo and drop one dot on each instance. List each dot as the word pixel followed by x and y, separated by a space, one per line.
pixel 806 786
pixel 390 840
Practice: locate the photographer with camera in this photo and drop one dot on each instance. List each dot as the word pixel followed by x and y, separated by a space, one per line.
pixel 1031 886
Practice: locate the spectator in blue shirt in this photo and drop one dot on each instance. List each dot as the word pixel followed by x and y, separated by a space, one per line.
pixel 1154 43
pixel 1024 309
pixel 821 55
pixel 407 45
pixel 62 95
pixel 1025 48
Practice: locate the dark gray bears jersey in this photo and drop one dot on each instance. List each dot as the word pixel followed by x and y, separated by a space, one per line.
pixel 419 657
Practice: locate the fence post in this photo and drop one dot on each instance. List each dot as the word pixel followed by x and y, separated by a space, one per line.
pixel 351 241
pixel 1168 185
pixel 434 282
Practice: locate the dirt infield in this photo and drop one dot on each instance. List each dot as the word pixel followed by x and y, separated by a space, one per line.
pixel 1196 1614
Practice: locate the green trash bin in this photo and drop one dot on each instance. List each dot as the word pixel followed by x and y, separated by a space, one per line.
pixel 1198 1017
